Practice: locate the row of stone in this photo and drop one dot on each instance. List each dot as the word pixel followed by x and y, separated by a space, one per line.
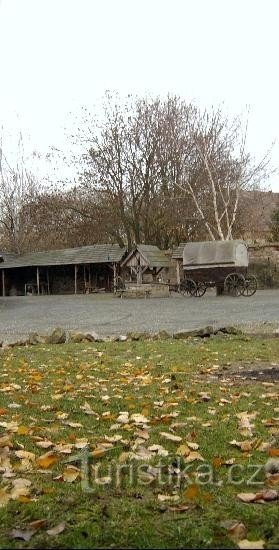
pixel 59 336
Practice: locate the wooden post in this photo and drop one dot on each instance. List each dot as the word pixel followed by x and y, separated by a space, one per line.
pixel 114 278
pixel 3 283
pixel 38 281
pixel 76 270
pixel 48 290
pixel 177 272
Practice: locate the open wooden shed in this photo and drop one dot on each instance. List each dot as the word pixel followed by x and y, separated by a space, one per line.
pixel 66 271
pixel 144 264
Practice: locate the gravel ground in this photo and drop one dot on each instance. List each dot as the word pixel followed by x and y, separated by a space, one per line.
pixel 107 314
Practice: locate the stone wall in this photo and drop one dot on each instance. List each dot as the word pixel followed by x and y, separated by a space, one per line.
pixel 264 263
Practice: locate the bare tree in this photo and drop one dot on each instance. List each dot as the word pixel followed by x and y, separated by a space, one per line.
pixel 229 171
pixel 17 188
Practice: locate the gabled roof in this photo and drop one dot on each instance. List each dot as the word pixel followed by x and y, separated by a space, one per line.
pixel 152 254
pixel 178 252
pixel 94 254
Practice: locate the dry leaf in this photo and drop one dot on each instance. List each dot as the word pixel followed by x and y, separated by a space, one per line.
pixel 44 444
pixel 37 524
pixel 70 474
pixel 183 450
pixel 46 460
pixel 22 534
pixel 4 497
pixel 106 480
pixel 57 530
pixel 163 498
pixel 246 544
pixel 171 437
pixel 247 497
pixel 21 487
pixel 236 530
pixel 194 455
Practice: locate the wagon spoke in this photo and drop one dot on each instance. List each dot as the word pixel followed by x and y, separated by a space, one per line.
pixel 250 286
pixel 234 284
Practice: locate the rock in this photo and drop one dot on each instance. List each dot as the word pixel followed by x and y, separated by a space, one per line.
pixel 138 336
pixel 76 337
pixel 35 338
pixel 203 332
pixel 276 333
pixel 230 330
pixel 122 338
pixel 57 336
pixel 16 343
pixel 183 334
pixel 161 335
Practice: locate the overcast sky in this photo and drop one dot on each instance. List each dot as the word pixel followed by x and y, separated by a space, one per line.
pixel 57 55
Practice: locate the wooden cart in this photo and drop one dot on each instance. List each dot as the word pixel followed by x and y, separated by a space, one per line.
pixel 220 264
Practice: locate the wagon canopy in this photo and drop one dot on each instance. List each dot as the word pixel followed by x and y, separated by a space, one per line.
pixel 215 254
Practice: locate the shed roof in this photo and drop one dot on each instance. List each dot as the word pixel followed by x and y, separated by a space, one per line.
pixel 94 254
pixel 178 252
pixel 152 254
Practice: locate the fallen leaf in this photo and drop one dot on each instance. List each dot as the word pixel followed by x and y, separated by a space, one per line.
pixel 106 480
pixel 70 474
pixel 171 437
pixel 183 450
pixel 4 497
pixel 163 498
pixel 236 530
pixel 46 460
pixel 57 530
pixel 21 487
pixel 22 534
pixel 247 497
pixel 194 455
pixel 246 544
pixel 37 524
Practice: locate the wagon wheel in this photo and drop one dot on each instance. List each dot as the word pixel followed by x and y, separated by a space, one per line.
pixel 250 286
pixel 188 286
pixel 234 284
pixel 200 290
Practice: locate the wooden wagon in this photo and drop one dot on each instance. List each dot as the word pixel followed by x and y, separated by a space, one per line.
pixel 220 264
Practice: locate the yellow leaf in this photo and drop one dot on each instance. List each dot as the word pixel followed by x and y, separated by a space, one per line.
pixel 22 430
pixel 4 497
pixel 183 450
pixel 46 460
pixel 70 474
pixel 192 491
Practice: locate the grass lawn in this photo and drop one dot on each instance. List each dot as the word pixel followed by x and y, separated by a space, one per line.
pixel 73 456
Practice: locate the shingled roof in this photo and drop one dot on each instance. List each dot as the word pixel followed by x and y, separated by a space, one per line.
pixel 94 254
pixel 178 252
pixel 152 254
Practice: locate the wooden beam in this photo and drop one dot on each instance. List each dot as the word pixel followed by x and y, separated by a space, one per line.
pixel 76 270
pixel 38 281
pixel 48 287
pixel 177 272
pixel 114 277
pixel 3 283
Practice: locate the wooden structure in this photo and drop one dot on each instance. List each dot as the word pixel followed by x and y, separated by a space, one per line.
pixel 145 264
pixel 222 264
pixel 67 271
